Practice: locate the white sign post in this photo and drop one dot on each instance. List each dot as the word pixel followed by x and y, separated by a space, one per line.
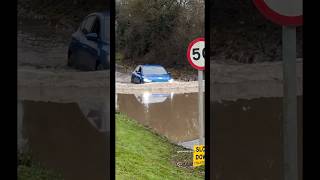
pixel 195 55
pixel 287 13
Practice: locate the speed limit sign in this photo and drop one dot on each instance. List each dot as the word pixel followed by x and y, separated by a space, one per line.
pixel 195 53
pixel 284 12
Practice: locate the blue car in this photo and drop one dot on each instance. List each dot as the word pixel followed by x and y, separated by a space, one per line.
pixel 89 48
pixel 150 73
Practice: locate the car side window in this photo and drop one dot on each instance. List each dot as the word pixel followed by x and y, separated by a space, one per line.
pixel 82 24
pixel 88 24
pixel 96 27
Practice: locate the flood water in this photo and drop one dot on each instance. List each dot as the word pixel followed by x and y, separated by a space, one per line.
pixel 247 139
pixel 73 137
pixel 174 116
pixel 245 134
pixel 66 137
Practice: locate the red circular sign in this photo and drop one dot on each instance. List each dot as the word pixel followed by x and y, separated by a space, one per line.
pixel 280 11
pixel 195 53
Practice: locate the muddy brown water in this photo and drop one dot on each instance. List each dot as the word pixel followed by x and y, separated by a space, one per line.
pixel 61 138
pixel 174 116
pixel 247 141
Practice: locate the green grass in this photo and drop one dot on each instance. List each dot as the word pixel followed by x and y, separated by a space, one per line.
pixel 30 170
pixel 141 154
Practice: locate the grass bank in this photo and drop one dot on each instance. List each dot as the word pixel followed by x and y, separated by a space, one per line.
pixel 141 154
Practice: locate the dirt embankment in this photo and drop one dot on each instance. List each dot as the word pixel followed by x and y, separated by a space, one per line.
pixel 232 82
pixel 62 15
pixel 239 33
pixel 40 51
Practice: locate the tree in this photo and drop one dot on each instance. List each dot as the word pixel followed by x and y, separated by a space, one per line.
pixel 158 31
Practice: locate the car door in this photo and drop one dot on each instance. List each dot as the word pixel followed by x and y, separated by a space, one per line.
pixel 136 78
pixel 75 45
pixel 88 50
pixel 139 74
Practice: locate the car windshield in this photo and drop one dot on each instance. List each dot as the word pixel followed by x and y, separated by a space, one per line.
pixel 154 70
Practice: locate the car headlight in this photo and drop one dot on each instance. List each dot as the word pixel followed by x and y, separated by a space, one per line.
pixel 146 80
pixel 170 81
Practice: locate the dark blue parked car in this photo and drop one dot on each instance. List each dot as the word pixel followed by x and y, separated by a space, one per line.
pixel 150 73
pixel 90 44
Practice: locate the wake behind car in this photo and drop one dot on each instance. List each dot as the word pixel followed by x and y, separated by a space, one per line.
pixel 90 44
pixel 150 73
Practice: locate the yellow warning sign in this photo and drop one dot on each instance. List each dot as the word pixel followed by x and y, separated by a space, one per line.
pixel 198 155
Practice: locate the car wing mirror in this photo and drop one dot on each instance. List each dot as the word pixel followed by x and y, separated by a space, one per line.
pixel 92 36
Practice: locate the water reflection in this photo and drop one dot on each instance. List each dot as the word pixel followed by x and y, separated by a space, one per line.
pixel 69 133
pixel 174 116
pixel 148 98
pixel 246 138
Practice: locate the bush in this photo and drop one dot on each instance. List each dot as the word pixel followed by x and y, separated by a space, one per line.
pixel 158 31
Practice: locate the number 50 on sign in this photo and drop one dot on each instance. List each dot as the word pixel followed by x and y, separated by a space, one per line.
pixel 195 53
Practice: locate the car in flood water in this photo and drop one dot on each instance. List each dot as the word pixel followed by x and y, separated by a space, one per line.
pixel 90 44
pixel 150 73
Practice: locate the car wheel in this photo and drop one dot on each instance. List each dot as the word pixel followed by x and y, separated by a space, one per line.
pixel 91 65
pixel 136 80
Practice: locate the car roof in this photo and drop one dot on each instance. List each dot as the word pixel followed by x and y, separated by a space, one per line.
pixel 101 13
